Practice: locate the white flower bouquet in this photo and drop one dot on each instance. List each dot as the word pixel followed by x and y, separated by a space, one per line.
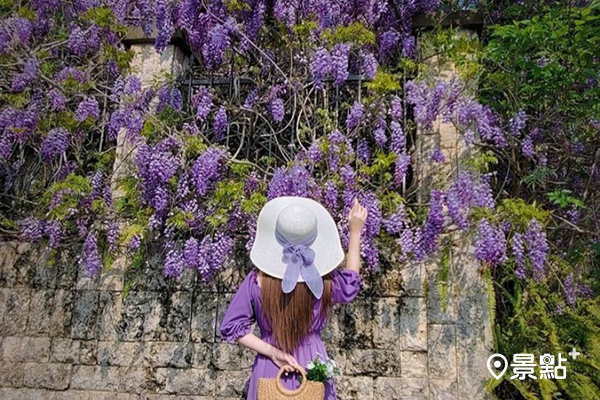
pixel 320 370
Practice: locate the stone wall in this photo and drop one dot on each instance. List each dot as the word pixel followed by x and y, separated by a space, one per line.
pixel 65 336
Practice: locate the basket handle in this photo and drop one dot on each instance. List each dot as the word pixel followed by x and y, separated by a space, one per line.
pixel 286 391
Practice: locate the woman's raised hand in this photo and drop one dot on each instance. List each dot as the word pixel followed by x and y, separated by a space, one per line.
pixel 357 217
pixel 285 361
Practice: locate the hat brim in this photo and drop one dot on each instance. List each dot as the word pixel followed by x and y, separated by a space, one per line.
pixel 267 253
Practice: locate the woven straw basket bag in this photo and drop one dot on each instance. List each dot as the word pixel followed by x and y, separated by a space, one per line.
pixel 271 389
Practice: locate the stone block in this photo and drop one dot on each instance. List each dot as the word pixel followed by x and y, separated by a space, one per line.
pixel 27 349
pixel 110 396
pixel 60 320
pixel 223 300
pixel 370 362
pixel 401 389
pixel 232 384
pixel 22 394
pixel 40 312
pixel 173 397
pixel 17 269
pixel 386 322
pixel 358 324
pixel 8 254
pixel 11 374
pixel 85 282
pixel 47 376
pixel 204 317
pixel 169 318
pixel 413 324
pixel 443 389
pixel 442 352
pixel 189 381
pixel 169 354
pixel 3 297
pixel 120 353
pixel 228 356
pixel 112 280
pixel 439 310
pixel 85 309
pixel 354 388
pixel 69 395
pixel 110 311
pixel 333 333
pixel 203 355
pixel 388 280
pixel 414 364
pixel 136 380
pixel 95 377
pixel 135 309
pixel 45 274
pixel 87 352
pixel 66 265
pixel 413 279
pixel 16 310
pixel 65 351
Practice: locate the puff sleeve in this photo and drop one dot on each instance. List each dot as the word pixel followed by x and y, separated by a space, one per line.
pixel 345 285
pixel 239 317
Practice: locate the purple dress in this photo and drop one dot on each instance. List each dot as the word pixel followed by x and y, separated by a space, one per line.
pixel 245 309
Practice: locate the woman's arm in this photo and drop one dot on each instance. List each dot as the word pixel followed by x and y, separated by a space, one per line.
pixel 356 221
pixel 280 358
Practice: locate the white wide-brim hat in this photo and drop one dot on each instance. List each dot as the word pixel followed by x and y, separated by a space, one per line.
pixel 295 217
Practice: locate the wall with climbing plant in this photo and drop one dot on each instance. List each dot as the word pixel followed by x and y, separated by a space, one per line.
pixel 327 101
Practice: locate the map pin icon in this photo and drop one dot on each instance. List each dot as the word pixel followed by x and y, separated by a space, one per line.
pixel 496 365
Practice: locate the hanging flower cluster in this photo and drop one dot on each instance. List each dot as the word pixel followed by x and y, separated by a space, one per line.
pixel 183 191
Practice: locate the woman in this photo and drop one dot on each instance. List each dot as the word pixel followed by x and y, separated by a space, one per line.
pixel 296 250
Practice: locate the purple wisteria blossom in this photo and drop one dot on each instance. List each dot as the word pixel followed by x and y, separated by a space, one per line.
pixel 363 152
pixel 31 229
pixel 320 66
pixel 203 102
pixel 251 100
pixel 339 63
pixel 408 47
pixel 518 251
pixel 57 100
pixel 55 143
pixel 355 115
pixel 174 263
pixel 396 108
pixel 401 168
pixel 437 156
pixel 397 221
pixel 88 108
pixel 220 123
pixel 434 223
pixel 538 248
pixel 91 256
pixel 207 170
pixel 517 123
pixel 369 64
pixel 25 78
pixel 490 243
pixel 277 109
pixel 77 41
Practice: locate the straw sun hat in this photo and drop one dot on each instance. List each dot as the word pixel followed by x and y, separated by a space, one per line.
pixel 296 241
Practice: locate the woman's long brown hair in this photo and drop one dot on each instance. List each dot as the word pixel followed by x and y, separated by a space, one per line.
pixel 291 314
